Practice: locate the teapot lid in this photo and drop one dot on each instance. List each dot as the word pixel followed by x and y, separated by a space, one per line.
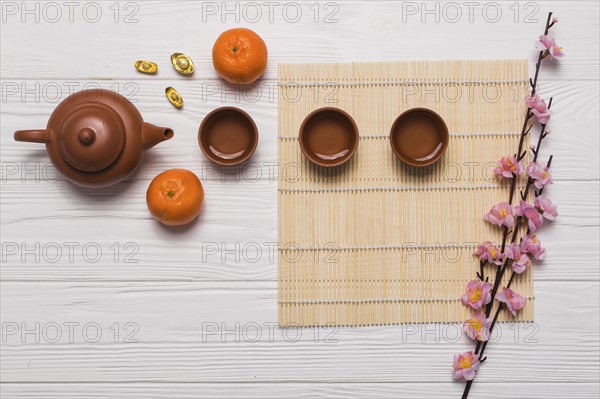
pixel 91 137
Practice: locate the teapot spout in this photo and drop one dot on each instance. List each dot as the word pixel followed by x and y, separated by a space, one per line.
pixel 152 135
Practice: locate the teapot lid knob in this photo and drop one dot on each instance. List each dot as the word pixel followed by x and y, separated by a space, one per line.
pixel 91 138
pixel 87 136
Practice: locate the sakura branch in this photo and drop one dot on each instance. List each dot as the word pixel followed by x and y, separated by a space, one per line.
pixel 515 253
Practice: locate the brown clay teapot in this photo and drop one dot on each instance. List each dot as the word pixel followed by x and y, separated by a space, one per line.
pixel 96 137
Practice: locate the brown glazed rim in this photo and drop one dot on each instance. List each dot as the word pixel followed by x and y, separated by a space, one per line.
pixel 444 133
pixel 211 115
pixel 318 161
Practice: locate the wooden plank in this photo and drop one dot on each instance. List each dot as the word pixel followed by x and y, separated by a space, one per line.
pixel 234 239
pixel 357 389
pixel 293 33
pixel 575 150
pixel 188 333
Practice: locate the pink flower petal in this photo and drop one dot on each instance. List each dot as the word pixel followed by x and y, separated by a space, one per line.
pixel 539 46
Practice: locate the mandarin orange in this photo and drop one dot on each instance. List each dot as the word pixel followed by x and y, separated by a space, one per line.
pixel 239 56
pixel 175 197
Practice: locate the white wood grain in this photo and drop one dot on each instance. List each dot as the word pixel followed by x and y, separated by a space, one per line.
pixel 364 31
pixel 489 390
pixel 172 347
pixel 203 251
pixel 171 291
pixel 576 115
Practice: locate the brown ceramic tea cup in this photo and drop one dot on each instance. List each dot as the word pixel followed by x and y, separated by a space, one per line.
pixel 228 136
pixel 419 137
pixel 328 137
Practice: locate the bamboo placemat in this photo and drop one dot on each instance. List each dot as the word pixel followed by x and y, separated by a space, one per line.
pixel 375 241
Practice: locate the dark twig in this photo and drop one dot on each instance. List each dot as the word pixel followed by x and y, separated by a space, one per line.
pixel 512 276
pixel 520 154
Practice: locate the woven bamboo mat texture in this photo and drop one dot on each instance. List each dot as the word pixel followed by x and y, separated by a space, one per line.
pixel 376 242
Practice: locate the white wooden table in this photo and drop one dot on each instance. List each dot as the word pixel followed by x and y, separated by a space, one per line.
pixel 192 312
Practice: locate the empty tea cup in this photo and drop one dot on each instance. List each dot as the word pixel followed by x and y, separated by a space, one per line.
pixel 228 136
pixel 328 137
pixel 419 137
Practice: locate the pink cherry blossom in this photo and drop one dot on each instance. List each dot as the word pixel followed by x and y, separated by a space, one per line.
pixel 547 44
pixel 539 108
pixel 489 252
pixel 534 218
pixel 540 174
pixel 557 52
pixel 478 294
pixel 465 366
pixel 502 214
pixel 532 246
pixel 508 166
pixel 521 260
pixel 554 20
pixel 478 327
pixel 512 300
pixel 549 210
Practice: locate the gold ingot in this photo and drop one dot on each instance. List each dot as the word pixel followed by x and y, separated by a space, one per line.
pixel 146 66
pixel 174 97
pixel 182 63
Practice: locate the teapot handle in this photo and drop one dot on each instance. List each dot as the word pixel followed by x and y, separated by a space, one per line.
pixel 33 136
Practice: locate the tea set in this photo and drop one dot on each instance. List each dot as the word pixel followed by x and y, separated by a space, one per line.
pixel 96 138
